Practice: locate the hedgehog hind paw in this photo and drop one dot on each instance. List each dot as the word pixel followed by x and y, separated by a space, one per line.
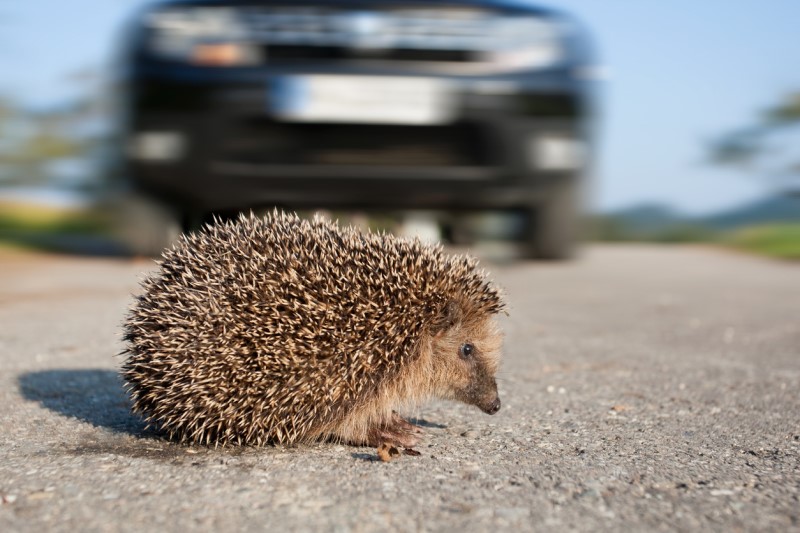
pixel 406 425
pixel 399 432
pixel 380 436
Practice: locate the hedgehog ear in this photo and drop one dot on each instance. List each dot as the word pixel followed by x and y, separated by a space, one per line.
pixel 448 317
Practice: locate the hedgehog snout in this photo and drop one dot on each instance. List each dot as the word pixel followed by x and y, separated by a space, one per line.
pixel 486 397
pixel 493 407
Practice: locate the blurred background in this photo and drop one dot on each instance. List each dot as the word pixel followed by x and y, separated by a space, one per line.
pixel 694 124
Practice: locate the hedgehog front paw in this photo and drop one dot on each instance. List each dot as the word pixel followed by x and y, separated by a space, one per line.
pixel 397 432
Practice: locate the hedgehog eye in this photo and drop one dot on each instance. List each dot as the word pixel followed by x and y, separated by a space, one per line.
pixel 466 350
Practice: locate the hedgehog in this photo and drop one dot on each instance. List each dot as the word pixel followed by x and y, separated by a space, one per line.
pixel 278 329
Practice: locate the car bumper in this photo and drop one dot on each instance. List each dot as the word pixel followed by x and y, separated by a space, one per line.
pixel 211 142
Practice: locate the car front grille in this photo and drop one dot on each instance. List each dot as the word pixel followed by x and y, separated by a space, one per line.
pixel 258 141
pixel 279 53
pixel 453 35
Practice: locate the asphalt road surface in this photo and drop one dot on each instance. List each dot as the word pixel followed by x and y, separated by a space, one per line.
pixel 643 388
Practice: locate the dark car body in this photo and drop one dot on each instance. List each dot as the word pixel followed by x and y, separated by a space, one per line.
pixel 360 104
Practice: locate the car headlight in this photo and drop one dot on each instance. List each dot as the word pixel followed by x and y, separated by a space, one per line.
pixel 526 42
pixel 210 36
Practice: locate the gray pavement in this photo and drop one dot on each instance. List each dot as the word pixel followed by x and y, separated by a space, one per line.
pixel 643 388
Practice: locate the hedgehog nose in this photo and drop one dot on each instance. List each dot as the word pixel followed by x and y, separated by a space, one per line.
pixel 494 407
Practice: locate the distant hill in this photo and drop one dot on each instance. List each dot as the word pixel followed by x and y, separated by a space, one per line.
pixel 646 219
pixel 660 222
pixel 777 208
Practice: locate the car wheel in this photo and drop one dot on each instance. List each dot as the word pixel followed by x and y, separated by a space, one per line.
pixel 554 225
pixel 145 227
pixel 459 230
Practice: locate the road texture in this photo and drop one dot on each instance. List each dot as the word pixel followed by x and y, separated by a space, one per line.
pixel 644 388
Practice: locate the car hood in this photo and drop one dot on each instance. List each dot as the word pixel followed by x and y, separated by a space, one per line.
pixel 511 5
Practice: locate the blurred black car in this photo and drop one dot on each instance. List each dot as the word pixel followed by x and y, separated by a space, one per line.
pixel 459 106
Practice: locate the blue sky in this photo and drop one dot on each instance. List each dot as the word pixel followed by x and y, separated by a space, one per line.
pixel 680 72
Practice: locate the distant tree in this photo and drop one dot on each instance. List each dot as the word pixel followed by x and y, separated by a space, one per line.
pixel 770 147
pixel 31 140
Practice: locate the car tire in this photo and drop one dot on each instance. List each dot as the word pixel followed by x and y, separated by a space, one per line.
pixel 145 227
pixel 459 230
pixel 554 225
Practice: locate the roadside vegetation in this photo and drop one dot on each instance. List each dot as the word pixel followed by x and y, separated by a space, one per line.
pixel 781 241
pixel 59 229
pixel 778 240
pixel 45 227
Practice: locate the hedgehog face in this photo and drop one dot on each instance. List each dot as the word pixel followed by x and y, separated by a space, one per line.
pixel 468 353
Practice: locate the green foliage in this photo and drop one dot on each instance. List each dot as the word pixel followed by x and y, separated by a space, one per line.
pixel 30 218
pixel 30 141
pixel 613 229
pixel 785 112
pixel 757 148
pixel 772 240
pixel 608 229
pixel 40 148
pixel 686 233
pixel 778 240
pixel 40 227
